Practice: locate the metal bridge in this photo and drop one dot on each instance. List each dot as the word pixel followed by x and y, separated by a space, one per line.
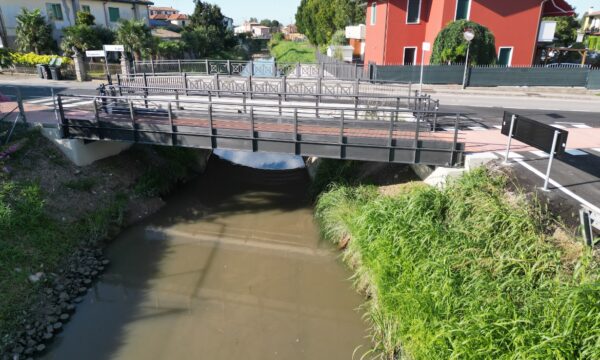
pixel 348 127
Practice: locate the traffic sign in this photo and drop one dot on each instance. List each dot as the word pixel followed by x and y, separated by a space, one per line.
pixel 426 46
pixel 95 53
pixel 114 48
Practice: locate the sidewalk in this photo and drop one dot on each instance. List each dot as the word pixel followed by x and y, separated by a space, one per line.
pixel 578 93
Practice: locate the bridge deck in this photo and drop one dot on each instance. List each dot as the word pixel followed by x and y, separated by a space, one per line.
pixel 325 131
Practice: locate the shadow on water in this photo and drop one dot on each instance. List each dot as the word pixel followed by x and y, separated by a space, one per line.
pixel 230 268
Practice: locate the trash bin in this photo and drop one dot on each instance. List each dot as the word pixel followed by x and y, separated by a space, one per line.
pixel 44 71
pixel 55 73
pixel 40 70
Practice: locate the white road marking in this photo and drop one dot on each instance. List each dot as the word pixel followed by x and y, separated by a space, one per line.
pixel 511 155
pixel 540 153
pixel 448 128
pixel 477 128
pixel 596 150
pixel 499 127
pixel 38 101
pixel 559 126
pixel 576 152
pixel 70 105
pixel 581 126
pixel 560 187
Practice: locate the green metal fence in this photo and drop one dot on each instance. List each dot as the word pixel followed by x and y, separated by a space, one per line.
pixel 594 80
pixel 491 75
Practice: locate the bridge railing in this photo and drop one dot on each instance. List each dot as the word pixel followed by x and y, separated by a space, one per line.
pixel 280 85
pixel 380 134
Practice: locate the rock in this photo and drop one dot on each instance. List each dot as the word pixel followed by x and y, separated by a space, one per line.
pixel 87 281
pixel 19 350
pixel 48 336
pixel 63 296
pixel 82 289
pixel 78 299
pixel 36 277
pixel 29 351
pixel 105 262
pixel 57 326
pixel 40 347
pixel 64 317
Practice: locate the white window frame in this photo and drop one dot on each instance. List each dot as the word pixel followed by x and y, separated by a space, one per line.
pixel 512 52
pixel 373 12
pixel 414 62
pixel 418 17
pixel 468 10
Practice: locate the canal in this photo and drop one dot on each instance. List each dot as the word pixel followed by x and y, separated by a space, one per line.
pixel 231 268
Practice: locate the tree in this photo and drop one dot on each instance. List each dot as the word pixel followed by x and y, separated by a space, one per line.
pixel 170 49
pixel 85 18
pixel 6 59
pixel 451 47
pixel 206 33
pixel 33 32
pixel 253 20
pixel 566 30
pixel 135 36
pixel 339 38
pixel 80 38
pixel 320 19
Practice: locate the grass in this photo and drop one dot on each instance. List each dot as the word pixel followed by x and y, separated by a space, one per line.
pixel 467 272
pixel 292 52
pixel 32 242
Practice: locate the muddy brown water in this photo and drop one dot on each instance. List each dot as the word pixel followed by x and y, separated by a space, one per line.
pixel 231 268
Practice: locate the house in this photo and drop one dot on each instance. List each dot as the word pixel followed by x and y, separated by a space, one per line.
pixel 162 10
pixel 180 20
pixel 254 29
pixel 61 13
pixel 397 29
pixel 290 29
pixel 356 36
pixel 591 22
pixel 166 35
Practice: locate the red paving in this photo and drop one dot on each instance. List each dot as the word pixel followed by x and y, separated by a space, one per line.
pixel 475 141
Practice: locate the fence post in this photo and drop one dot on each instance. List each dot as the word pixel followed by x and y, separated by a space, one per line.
pixel 252 127
pixel 145 90
pixel 229 67
pixel 321 70
pixel 251 68
pixel 275 74
pixel 152 66
pixel 342 135
pixel 298 70
pixel 179 66
pixel 217 85
pixel 250 87
pixel 185 84
pixel 207 66
pixel 284 87
pixel 173 136
pixel 319 90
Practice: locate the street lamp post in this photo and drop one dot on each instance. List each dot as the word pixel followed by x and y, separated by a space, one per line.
pixel 469 35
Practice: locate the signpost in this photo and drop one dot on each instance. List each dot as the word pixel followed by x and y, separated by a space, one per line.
pixel 534 133
pixel 426 47
pixel 589 221
pixel 102 53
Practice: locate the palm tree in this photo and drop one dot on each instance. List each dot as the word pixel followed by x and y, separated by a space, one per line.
pixel 135 36
pixel 33 32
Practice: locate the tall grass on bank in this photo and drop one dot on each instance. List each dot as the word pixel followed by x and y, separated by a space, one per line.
pixel 293 51
pixel 465 273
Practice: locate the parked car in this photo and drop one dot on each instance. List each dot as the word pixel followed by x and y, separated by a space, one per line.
pixel 567 65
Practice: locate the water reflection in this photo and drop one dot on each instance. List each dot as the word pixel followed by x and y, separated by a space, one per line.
pixel 231 268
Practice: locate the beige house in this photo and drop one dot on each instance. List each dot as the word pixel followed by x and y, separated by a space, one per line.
pixel 591 22
pixel 61 14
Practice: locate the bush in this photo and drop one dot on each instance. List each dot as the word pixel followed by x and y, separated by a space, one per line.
pixel 6 59
pixel 32 59
pixel 451 47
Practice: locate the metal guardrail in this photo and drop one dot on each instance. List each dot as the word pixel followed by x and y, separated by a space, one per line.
pixel 258 68
pixel 340 132
pixel 283 85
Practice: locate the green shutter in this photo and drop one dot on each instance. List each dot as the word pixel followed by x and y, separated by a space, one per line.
pixel 462 9
pixel 504 57
pixel 86 8
pixel 373 13
pixel 413 11
pixel 113 14
pixel 54 11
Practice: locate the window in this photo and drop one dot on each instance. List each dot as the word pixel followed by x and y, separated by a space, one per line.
pixel 113 14
pixel 86 8
pixel 54 12
pixel 373 12
pixel 413 11
pixel 463 9
pixel 410 55
pixel 505 56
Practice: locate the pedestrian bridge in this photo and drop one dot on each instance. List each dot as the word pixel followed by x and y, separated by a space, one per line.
pixel 345 129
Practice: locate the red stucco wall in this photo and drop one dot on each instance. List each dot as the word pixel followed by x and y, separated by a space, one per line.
pixel 513 23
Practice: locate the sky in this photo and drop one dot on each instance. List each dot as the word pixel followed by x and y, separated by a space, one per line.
pixel 284 10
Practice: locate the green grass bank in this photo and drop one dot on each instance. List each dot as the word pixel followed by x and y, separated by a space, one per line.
pixel 49 208
pixel 292 51
pixel 473 271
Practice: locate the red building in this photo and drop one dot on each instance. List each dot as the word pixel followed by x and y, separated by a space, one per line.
pixel 396 29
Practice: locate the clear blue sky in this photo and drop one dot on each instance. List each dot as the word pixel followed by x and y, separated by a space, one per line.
pixel 284 10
